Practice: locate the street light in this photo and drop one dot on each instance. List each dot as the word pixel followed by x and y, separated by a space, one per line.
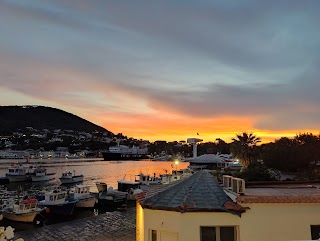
pixel 176 162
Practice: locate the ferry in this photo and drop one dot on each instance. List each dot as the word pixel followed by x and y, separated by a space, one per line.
pixel 122 152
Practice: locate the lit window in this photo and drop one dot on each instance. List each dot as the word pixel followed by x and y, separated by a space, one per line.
pixel 227 233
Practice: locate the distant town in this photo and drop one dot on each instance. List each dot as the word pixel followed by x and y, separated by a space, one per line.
pixel 44 144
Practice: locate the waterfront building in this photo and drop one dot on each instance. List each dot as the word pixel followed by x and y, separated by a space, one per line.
pixel 200 209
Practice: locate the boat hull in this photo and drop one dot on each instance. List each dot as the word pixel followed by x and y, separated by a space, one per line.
pixel 86 202
pixel 74 179
pixel 46 177
pixel 21 217
pixel 19 178
pixel 111 199
pixel 1 216
pixel 109 156
pixel 65 209
pixel 4 180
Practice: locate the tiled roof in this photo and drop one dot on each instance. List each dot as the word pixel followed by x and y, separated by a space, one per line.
pixel 198 193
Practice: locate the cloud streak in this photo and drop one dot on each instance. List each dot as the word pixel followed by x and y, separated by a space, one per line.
pixel 251 65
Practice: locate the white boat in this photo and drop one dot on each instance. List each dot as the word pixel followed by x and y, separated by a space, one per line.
pixel 19 173
pixel 69 177
pixel 40 174
pixel 147 179
pixel 162 157
pixel 25 211
pixel 122 152
pixel 83 195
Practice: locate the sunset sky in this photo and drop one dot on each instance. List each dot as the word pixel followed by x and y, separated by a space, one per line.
pixel 165 70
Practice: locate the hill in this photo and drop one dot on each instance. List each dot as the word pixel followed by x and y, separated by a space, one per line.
pixel 13 118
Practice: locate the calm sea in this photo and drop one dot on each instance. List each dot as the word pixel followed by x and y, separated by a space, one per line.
pixel 97 170
pixel 93 171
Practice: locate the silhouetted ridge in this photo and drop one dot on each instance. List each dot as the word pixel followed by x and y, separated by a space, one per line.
pixel 13 118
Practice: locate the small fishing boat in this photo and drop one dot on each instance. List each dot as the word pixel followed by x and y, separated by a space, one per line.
pixel 58 202
pixel 25 211
pixel 110 199
pixel 69 177
pixel 83 195
pixel 131 187
pixel 147 179
pixel 18 173
pixel 40 174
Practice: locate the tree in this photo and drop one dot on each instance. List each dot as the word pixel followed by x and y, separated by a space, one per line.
pixel 245 148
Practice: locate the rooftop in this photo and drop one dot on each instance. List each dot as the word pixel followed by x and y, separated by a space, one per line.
pixel 281 192
pixel 197 193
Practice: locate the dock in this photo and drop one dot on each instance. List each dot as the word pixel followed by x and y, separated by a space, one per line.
pixel 110 226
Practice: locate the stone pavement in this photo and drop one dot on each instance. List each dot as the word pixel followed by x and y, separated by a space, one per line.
pixel 113 226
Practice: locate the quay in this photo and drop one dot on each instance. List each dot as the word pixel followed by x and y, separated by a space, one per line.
pixel 110 226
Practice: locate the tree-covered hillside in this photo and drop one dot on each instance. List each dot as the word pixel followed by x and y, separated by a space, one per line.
pixel 13 118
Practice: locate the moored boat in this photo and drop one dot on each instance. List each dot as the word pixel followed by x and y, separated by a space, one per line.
pixel 25 211
pixel 40 174
pixel 19 173
pixel 69 177
pixel 131 187
pixel 1 215
pixel 122 152
pixel 144 179
pixel 109 198
pixel 58 203
pixel 83 195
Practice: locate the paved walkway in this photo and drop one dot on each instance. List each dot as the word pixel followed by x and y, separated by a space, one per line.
pixel 113 226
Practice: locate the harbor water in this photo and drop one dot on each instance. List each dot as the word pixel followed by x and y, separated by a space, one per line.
pixel 94 170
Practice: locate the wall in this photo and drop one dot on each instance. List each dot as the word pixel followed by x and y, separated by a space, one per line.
pixel 263 222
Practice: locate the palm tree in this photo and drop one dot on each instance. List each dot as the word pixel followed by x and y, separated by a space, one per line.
pixel 244 148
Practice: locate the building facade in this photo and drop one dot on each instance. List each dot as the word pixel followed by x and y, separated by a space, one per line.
pixel 197 211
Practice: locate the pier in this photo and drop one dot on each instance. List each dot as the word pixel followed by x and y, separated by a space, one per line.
pixel 111 226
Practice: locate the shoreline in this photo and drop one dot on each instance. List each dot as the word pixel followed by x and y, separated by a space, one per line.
pixel 9 162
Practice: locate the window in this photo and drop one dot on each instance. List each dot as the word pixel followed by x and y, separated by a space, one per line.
pixel 208 234
pixel 153 235
pixel 315 232
pixel 227 233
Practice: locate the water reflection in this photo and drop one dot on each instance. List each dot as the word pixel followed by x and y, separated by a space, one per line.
pixel 23 186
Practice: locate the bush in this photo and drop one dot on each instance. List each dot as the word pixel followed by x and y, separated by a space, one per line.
pixel 257 171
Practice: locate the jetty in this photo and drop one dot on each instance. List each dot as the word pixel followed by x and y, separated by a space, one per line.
pixel 110 226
